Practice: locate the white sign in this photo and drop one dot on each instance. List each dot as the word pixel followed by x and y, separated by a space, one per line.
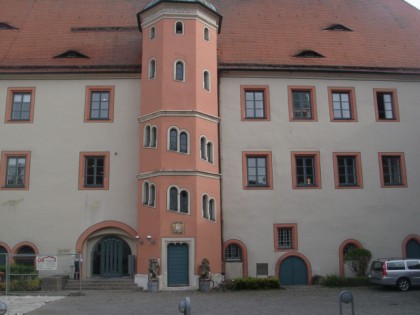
pixel 46 262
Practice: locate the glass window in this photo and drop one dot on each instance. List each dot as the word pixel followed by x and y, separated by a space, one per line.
pixel 257 171
pixel 21 106
pixel 210 152
pixel 233 253
pixel 212 210
pixel 391 169
pixel 385 106
pixel 152 69
pixel 15 174
pixel 152 33
pixel 206 79
pixel 152 198
pixel 179 28
pixel 183 142
pixel 205 202
pixel 179 71
pixel 173 140
pixel 183 201
pixel 146 193
pixel 203 148
pixel 99 105
pixel 341 105
pixel 173 199
pixel 94 171
pixel 302 108
pixel 206 34
pixel 285 238
pixel 305 171
pixel 254 104
pixel 347 170
pixel 153 137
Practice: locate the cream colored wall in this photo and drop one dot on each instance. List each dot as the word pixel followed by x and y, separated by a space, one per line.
pixel 380 218
pixel 53 212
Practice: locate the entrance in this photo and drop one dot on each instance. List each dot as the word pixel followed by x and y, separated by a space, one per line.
pixel 178 266
pixel 110 257
pixel 413 249
pixel 293 271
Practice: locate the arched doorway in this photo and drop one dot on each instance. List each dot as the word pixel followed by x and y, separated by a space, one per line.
pixel 413 249
pixel 293 271
pixel 110 257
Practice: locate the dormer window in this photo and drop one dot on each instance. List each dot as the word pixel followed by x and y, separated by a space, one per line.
pixel 338 27
pixel 71 54
pixel 309 54
pixel 179 28
pixel 5 26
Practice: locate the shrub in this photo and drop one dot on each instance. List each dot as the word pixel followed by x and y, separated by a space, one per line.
pixel 256 283
pixel 333 281
pixel 358 260
pixel 25 284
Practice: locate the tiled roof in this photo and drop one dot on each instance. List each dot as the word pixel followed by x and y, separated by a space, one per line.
pixel 256 34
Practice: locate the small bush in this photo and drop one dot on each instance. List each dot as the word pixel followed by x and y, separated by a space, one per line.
pixel 25 284
pixel 256 283
pixel 333 281
pixel 358 260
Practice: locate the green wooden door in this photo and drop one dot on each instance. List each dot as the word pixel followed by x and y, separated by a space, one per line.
pixel 111 257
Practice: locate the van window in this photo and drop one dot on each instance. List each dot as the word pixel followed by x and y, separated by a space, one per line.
pixel 396 265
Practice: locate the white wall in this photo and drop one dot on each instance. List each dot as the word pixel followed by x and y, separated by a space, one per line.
pixel 53 212
pixel 380 218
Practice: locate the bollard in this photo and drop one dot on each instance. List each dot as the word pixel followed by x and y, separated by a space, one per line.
pixel 346 297
pixel 184 306
pixel 3 308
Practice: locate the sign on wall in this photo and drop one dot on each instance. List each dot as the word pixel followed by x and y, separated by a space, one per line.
pixel 46 262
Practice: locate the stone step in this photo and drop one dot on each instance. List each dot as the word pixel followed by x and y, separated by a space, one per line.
pixel 102 284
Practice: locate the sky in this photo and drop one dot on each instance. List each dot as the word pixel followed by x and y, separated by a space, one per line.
pixel 415 3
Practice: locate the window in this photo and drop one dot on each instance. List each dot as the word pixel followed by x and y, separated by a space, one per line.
pixel 152 33
pixel 306 170
pixel 14 170
pixel 208 208
pixel 179 28
pixel 255 102
pixel 392 168
pixel 20 105
pixel 178 200
pixel 233 253
pixel 149 194
pixel 152 69
pixel 206 80
pixel 178 140
pixel 94 170
pixel 285 237
pixel 302 105
pixel 347 170
pixel 206 150
pixel 257 170
pixel 99 104
pixel 342 103
pixel 386 105
pixel 150 136
pixel 206 34
pixel 179 71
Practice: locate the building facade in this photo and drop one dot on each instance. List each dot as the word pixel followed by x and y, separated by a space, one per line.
pixel 227 131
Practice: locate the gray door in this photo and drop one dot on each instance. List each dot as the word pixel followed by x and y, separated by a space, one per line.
pixel 293 272
pixel 413 249
pixel 110 257
pixel 178 265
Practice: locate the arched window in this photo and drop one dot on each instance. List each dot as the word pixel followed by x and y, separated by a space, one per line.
pixel 152 200
pixel 173 199
pixel 206 80
pixel 212 210
pixel 152 33
pixel 233 253
pixel 25 256
pixel 205 201
pixel 179 71
pixel 179 28
pixel 183 201
pixel 210 152
pixel 152 69
pixel 173 140
pixel 203 148
pixel 145 193
pixel 183 141
pixel 146 141
pixel 206 34
pixel 153 137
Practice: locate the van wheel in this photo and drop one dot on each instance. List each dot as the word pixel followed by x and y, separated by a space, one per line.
pixel 403 284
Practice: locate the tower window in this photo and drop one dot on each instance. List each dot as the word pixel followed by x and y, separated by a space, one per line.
pixel 206 80
pixel 152 33
pixel 179 28
pixel 206 34
pixel 179 71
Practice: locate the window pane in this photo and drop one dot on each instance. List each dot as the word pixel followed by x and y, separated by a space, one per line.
pixel 173 199
pixel 183 142
pixel 184 201
pixel 15 173
pixel 173 141
pixel 257 171
pixel 254 103
pixel 285 239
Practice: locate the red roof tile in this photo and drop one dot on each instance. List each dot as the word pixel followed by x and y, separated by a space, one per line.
pixel 254 34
